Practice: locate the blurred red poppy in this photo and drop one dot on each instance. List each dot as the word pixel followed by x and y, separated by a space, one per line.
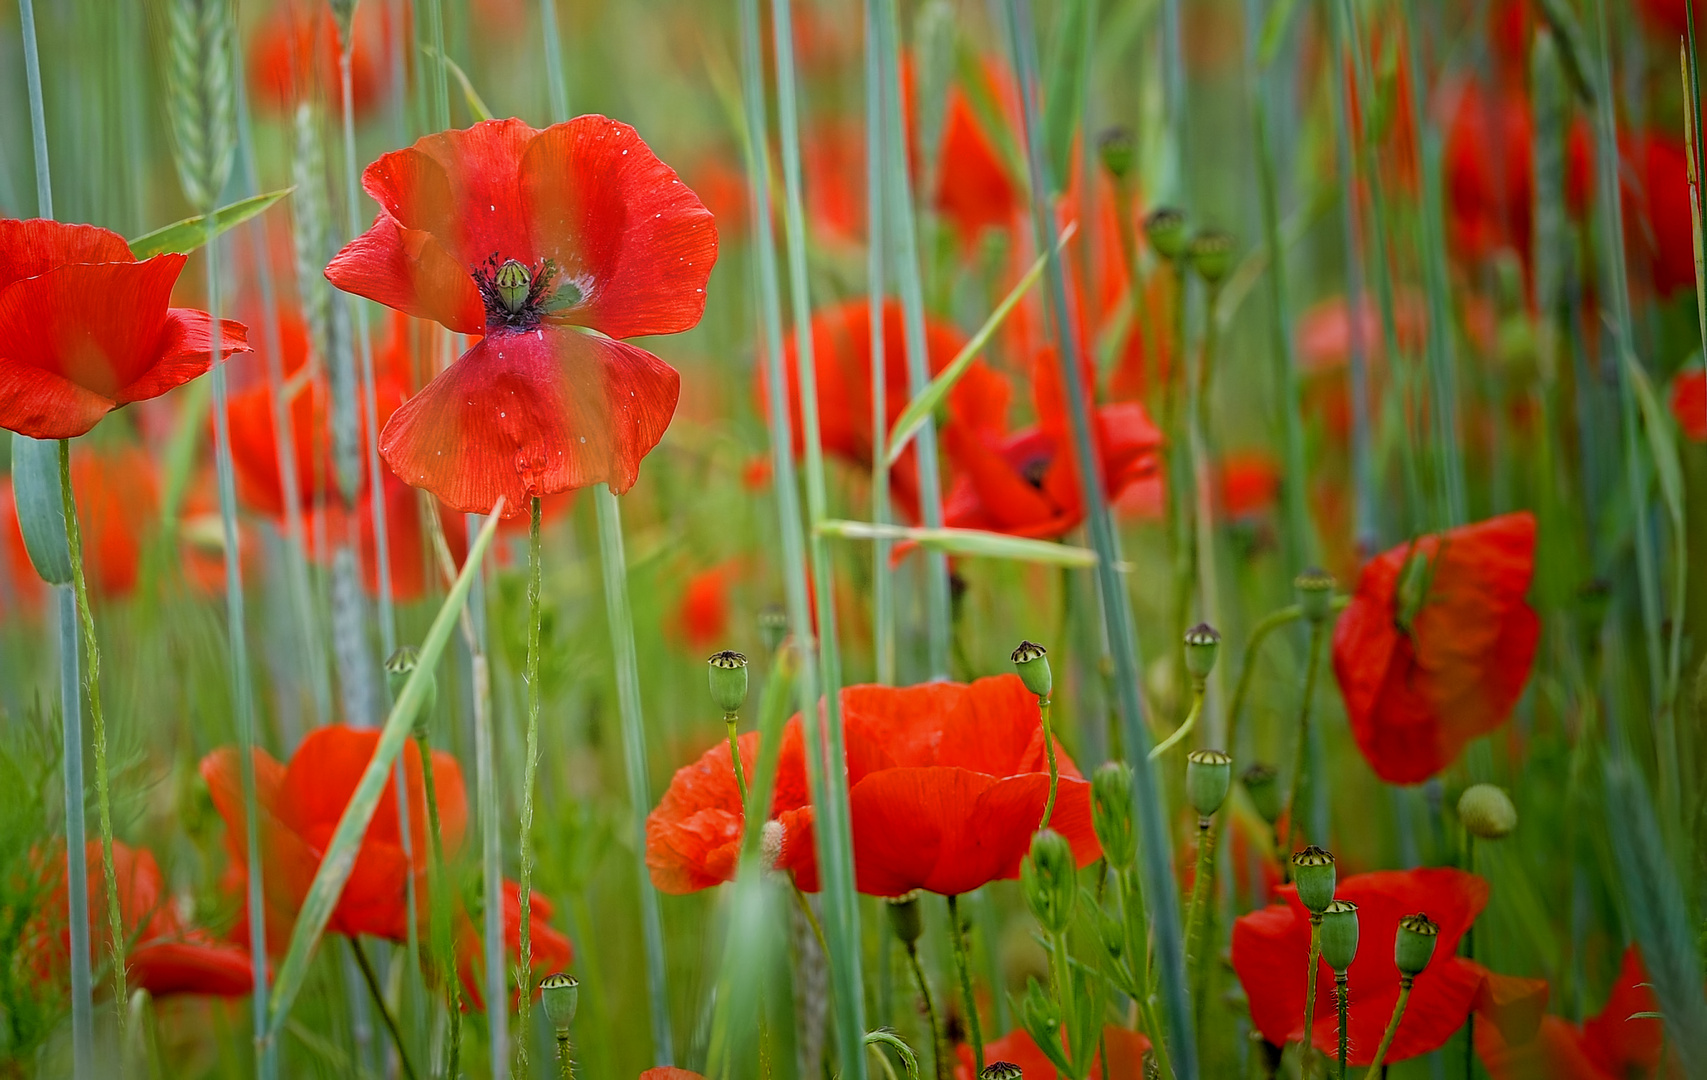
pixel 549 949
pixel 1271 950
pixel 1249 483
pixel 1616 1044
pixel 529 237
pixel 702 616
pixel 1656 202
pixel 300 805
pixel 116 489
pixel 841 355
pixel 21 590
pixel 162 955
pixel 1436 645
pixel 973 189
pixel 1126 1050
pixel 295 52
pixel 254 439
pixel 85 328
pixel 1671 17
pixel 1689 403
pixel 1026 484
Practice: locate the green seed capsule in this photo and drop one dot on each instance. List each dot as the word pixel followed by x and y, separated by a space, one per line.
pixel 1339 934
pixel 1487 812
pixel 1031 663
pixel 1315 588
pixel 1414 945
pixel 1111 813
pixel 399 666
pixel 1313 874
pixel 1212 256
pixel 1208 776
pixel 1262 784
pixel 560 994
pixel 728 681
pixel 513 282
pixel 1118 150
pixel 905 918
pixel 1164 228
pixel 1001 1070
pixel 1202 643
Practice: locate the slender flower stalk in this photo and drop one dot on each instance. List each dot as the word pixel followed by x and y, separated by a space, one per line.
pixel 530 771
pixel 882 574
pixel 372 982
pixel 962 964
pixel 937 1056
pixel 1307 1049
pixel 1377 1065
pixel 1054 769
pixel 1342 1000
pixel 1301 755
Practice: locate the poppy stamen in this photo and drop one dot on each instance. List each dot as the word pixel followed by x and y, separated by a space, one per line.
pixel 518 296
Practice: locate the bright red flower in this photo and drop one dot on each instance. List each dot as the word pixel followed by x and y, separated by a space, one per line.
pixel 1689 403
pixel 1437 644
pixel 1026 484
pixel 841 355
pixel 1271 950
pixel 973 191
pixel 604 238
pixel 295 52
pixel 162 955
pixel 1126 1050
pixel 1249 483
pixel 1614 1045
pixel 549 949
pixel 300 806
pixel 703 614
pixel 85 328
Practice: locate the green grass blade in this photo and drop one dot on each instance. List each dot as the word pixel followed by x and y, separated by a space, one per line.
pixel 477 107
pixel 192 232
pixel 972 542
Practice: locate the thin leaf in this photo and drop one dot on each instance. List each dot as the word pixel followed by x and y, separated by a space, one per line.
pixel 1662 440
pixel 191 233
pixel 1274 27
pixel 1064 90
pixel 340 858
pixel 476 106
pixel 972 542
pixel 921 408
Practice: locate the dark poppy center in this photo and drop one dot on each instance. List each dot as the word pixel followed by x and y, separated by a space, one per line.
pixel 518 296
pixel 1034 469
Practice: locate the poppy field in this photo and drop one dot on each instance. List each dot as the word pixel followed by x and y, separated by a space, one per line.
pixel 792 539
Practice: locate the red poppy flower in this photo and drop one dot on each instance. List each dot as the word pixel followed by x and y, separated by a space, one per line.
pixel 86 328
pixel 1689 403
pixel 295 55
pixel 974 191
pixel 841 353
pixel 1615 1045
pixel 1671 16
pixel 1126 1050
pixel 1660 224
pixel 702 617
pixel 530 238
pixel 1271 950
pixel 300 805
pixel 1436 645
pixel 549 949
pixel 162 955
pixel 254 439
pixel 21 590
pixel 1026 484
pixel 1249 483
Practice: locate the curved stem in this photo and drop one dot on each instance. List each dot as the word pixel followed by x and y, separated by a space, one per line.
pixel 1265 626
pixel 98 722
pixel 1197 687
pixel 957 934
pixel 373 990
pixel 1340 995
pixel 1054 769
pixel 1309 1044
pixel 1301 758
pixel 930 1010
pixel 1392 1029
pixel 530 771
pixel 730 721
pixel 444 963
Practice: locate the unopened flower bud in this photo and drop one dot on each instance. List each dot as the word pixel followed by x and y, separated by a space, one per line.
pixel 905 918
pixel 1208 775
pixel 560 994
pixel 1487 812
pixel 1038 1012
pixel 1049 881
pixel 1110 931
pixel 513 282
pixel 1164 228
pixel 1315 588
pixel 1202 642
pixel 1339 934
pixel 1212 256
pixel 1262 784
pixel 1001 1070
pixel 728 681
pixel 1118 149
pixel 1031 662
pixel 399 666
pixel 1414 945
pixel 1313 874
pixel 1111 813
pixel 773 626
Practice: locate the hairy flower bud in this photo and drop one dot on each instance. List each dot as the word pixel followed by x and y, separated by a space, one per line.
pixel 728 681
pixel 1487 812
pixel 1111 813
pixel 1414 945
pixel 1315 588
pixel 1031 662
pixel 1339 934
pixel 1202 642
pixel 560 994
pixel 1164 228
pixel 1262 784
pixel 1049 881
pixel 1313 874
pixel 1208 775
pixel 905 917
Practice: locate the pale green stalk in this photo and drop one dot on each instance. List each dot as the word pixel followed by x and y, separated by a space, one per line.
pixel 1265 626
pixel 1307 1050
pixel 1054 769
pixel 556 88
pixel 963 964
pixel 918 970
pixel 1207 836
pixel 1154 846
pixel 1301 760
pixel 882 575
pixel 491 839
pixel 530 771
pixel 1342 1002
pixel 615 566
pixel 1375 1065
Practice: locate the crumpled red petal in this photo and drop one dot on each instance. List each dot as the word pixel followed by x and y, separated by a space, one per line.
pixel 32 247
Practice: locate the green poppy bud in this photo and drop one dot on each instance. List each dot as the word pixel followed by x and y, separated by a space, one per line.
pixel 1001 1070
pixel 1049 881
pixel 1339 934
pixel 728 681
pixel 1031 662
pixel 1111 813
pixel 1262 784
pixel 513 282
pixel 1164 228
pixel 773 626
pixel 560 994
pixel 1201 644
pixel 1313 873
pixel 1414 945
pixel 1208 775
pixel 1118 149
pixel 1315 588
pixel 1212 256
pixel 398 667
pixel 905 917
pixel 1487 812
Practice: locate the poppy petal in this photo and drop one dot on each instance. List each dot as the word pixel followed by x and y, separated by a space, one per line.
pixel 195 965
pixel 32 247
pixel 411 271
pixel 44 405
pixel 185 351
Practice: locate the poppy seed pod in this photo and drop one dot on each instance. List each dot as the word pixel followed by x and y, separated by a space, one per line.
pixel 1049 881
pixel 513 282
pixel 1315 589
pixel 1414 945
pixel 1002 1070
pixel 1164 228
pixel 1031 662
pixel 1262 784
pixel 1111 813
pixel 905 917
pixel 1313 873
pixel 560 994
pixel 1202 642
pixel 1487 812
pixel 1117 148
pixel 728 680
pixel 1208 775
pixel 1212 256
pixel 398 667
pixel 1339 934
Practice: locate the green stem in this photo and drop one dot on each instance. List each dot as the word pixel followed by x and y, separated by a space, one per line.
pixel 730 723
pixel 1130 902
pixel 379 1003
pixel 530 771
pixel 1307 1049
pixel 556 87
pixel 444 959
pixel 1061 975
pixel 1265 626
pixel 930 1011
pixel 1342 999
pixel 882 576
pixel 1206 839
pixel 1392 1028
pixel 1301 758
pixel 1054 769
pixel 1197 688
pixel 805 906
pixel 618 611
pixel 97 719
pixel 957 935
pixel 565 1063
